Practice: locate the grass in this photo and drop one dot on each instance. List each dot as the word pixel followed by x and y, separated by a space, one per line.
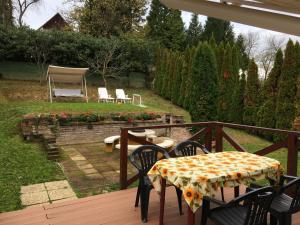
pixel 254 143
pixel 25 163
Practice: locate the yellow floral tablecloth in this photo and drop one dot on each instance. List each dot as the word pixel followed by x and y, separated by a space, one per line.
pixel 202 175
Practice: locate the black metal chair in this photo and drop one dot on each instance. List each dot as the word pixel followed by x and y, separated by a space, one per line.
pixel 189 148
pixel 249 209
pixel 283 205
pixel 143 158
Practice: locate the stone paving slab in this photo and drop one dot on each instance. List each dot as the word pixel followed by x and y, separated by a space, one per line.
pixel 37 194
pixel 57 185
pixel 34 198
pixel 33 188
pixel 61 194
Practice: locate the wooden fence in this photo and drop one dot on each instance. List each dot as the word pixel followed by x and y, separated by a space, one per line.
pixel 210 131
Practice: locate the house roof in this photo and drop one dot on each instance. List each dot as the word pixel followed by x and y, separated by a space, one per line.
pixel 278 15
pixel 55 21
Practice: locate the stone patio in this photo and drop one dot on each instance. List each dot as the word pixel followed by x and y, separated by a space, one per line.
pixel 91 170
pixel 45 193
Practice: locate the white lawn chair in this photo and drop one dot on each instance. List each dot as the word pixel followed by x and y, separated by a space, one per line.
pixel 121 97
pixel 103 96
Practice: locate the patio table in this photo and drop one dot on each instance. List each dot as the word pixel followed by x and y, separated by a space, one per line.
pixel 202 175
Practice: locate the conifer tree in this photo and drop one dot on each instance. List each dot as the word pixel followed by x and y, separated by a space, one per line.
pixel 6 13
pixel 166 26
pixel 184 76
pixel 285 110
pixel 160 64
pixel 235 104
pixel 188 88
pixel 177 79
pixel 251 100
pixel 297 100
pixel 240 43
pixel 203 93
pixel 270 90
pixel 222 30
pixel 220 57
pixel 225 86
pixel 194 32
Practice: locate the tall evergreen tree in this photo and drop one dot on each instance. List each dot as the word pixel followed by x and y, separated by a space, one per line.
pixel 189 83
pixel 194 32
pixel 240 43
pixel 235 104
pixel 184 76
pixel 110 17
pixel 166 26
pixel 297 100
pixel 225 86
pixel 267 115
pixel 177 79
pixel 285 110
pixel 203 94
pixel 221 29
pixel 220 51
pixel 251 100
pixel 159 71
pixel 6 13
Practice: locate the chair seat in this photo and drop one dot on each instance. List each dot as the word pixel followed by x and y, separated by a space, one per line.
pixel 281 204
pixel 229 216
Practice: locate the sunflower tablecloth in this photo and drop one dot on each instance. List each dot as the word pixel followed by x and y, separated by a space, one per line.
pixel 202 175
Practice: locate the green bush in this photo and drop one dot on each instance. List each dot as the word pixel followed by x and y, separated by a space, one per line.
pixel 72 48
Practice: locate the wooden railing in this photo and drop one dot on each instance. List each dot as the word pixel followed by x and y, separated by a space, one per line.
pixel 210 131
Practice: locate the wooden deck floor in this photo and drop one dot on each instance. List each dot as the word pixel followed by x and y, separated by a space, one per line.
pixel 114 208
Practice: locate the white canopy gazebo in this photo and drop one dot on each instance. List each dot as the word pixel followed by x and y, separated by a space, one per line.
pixel 277 15
pixel 67 75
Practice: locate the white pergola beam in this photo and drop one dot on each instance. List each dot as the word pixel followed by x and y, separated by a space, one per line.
pixel 253 17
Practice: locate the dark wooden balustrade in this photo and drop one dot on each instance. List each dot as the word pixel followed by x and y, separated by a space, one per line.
pixel 209 131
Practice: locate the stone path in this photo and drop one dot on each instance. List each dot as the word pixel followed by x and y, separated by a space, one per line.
pixel 46 193
pixel 90 169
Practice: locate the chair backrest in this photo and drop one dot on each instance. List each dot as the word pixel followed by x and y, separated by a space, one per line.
pixel 189 148
pixel 293 188
pixel 120 94
pixel 258 203
pixel 102 91
pixel 145 156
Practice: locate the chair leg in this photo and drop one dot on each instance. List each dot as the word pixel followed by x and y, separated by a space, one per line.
pixel 143 203
pixel 222 193
pixel 179 198
pixel 144 193
pixel 137 198
pixel 285 220
pixel 273 220
pixel 205 211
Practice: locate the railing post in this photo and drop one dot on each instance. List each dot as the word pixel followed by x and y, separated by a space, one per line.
pixel 123 158
pixel 219 138
pixel 292 159
pixel 208 138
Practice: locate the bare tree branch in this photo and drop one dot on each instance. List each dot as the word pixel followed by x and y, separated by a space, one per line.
pixel 22 6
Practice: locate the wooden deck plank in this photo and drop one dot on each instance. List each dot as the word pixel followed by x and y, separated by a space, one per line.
pixel 116 208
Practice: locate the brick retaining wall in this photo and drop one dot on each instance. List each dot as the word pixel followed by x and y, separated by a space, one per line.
pixel 81 134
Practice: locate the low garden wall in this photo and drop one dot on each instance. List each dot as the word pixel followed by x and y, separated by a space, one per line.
pixel 97 132
pixel 68 129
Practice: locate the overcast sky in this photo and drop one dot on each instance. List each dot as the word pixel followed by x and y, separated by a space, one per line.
pixel 35 17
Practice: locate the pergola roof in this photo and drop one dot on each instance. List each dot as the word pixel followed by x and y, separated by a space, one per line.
pixel 278 15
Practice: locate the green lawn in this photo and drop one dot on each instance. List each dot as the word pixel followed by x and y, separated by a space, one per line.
pixel 25 163
pixel 254 143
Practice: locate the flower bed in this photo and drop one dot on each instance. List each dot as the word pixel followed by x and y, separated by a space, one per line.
pixel 68 118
